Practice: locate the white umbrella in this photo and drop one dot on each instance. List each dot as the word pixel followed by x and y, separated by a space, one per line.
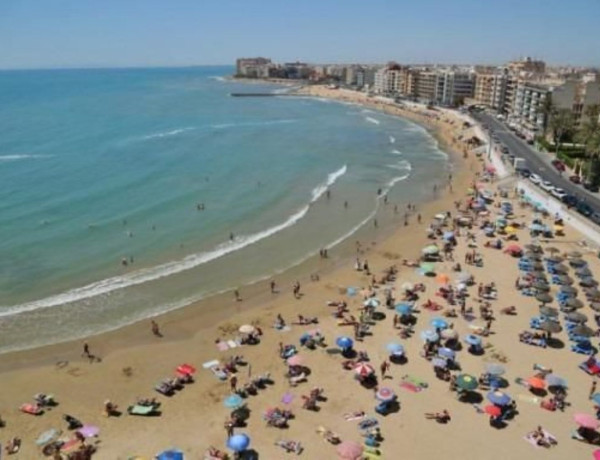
pixel 247 329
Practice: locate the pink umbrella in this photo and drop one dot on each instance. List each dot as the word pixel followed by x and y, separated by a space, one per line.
pixel 364 369
pixel 350 450
pixel 586 421
pixel 186 369
pixel 89 431
pixel 295 360
pixel 596 454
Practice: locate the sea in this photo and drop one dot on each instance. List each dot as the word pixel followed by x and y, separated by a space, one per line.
pixel 127 193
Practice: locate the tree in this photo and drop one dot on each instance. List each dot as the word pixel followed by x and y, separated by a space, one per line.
pixel 548 110
pixel 561 123
pixel 589 136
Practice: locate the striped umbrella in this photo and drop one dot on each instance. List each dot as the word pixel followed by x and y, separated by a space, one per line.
pixel 385 394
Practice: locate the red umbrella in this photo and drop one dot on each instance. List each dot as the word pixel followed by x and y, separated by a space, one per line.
pixel 513 249
pixel 350 450
pixel 186 369
pixel 586 421
pixel 492 410
pixel 364 369
pixel 536 382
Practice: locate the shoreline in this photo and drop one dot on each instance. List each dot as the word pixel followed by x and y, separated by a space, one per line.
pixel 209 314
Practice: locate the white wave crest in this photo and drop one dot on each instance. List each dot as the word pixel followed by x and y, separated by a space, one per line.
pixel 252 123
pixel 218 78
pixel 396 152
pixel 372 120
pixel 395 180
pixel 319 190
pixel 403 165
pixel 22 157
pixel 173 132
pixel 392 140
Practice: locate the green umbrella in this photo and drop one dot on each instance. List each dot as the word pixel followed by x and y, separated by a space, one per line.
pixel 431 249
pixel 427 268
pixel 466 382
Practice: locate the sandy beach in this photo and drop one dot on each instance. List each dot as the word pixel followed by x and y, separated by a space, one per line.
pixel 132 360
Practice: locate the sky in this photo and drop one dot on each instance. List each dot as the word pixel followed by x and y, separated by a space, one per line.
pixel 131 33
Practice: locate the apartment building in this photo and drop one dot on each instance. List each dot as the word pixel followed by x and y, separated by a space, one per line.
pixel 253 67
pixel 491 86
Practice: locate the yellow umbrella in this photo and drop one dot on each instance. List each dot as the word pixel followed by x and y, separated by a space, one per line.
pixel 510 229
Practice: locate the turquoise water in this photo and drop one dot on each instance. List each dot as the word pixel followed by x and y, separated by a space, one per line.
pixel 98 166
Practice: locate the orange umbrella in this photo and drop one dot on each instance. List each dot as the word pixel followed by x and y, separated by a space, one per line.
pixel 442 278
pixel 536 382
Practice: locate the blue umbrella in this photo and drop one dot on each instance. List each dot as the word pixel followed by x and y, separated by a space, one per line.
pixel 238 442
pixel 439 323
pixel 171 454
pixel 555 381
pixel 537 227
pixel 447 353
pixel 448 235
pixel 472 339
pixel 499 398
pixel 395 348
pixel 596 398
pixel 430 336
pixel 344 342
pixel 439 362
pixel 404 309
pixel 233 401
pixel 351 291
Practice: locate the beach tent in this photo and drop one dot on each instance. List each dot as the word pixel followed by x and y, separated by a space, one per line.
pixel 238 442
pixel 171 454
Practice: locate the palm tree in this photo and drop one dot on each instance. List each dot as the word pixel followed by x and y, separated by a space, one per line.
pixel 589 135
pixel 562 123
pixel 548 110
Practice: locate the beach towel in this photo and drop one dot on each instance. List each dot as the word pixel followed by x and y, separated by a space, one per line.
pixel 529 399
pixel 222 346
pixel 209 364
pixel 415 381
pixel 410 387
pixel 358 415
pixel 531 441
pixel 287 398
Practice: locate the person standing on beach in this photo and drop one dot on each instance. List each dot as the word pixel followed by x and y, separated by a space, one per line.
pixel 86 350
pixel 229 428
pixel 155 329
pixel 384 367
pixel 233 383
pixel 419 218
pixel 273 287
pixel 592 390
pixel 236 294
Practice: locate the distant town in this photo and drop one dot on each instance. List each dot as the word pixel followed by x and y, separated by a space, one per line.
pixel 526 92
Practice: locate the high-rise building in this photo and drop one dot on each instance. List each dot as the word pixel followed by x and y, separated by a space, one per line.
pixel 527 65
pixel 253 67
pixel 491 87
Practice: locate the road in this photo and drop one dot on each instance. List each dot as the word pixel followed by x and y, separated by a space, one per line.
pixel 536 163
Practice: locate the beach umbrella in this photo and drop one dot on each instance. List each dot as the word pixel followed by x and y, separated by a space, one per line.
pixel 395 348
pixel 48 436
pixel 553 250
pixel 430 336
pixel 549 311
pixel 554 380
pixel 385 394
pixel 595 306
pixel 448 235
pixel 568 290
pixel 537 266
pixel 234 401
pixel 372 302
pixel 495 369
pixel 238 442
pixel 349 450
pixel 577 263
pixel 446 352
pixel 564 279
pixel 574 255
pixel 540 286
pixel 586 421
pixel 463 277
pixel 554 260
pixel 574 303
pixel 588 281
pixel 596 398
pixel 536 383
pixel 403 309
pixel 185 369
pixel 533 247
pixel 592 292
pixel 499 398
pixel 439 323
pixel 543 297
pixel 510 229
pixel 583 272
pixel 431 250
pixel 513 249
pixel 583 331
pixel 492 410
pixel 529 256
pixel 344 342
pixel 247 329
pixel 466 382
pixel 295 360
pixel 171 454
pixel 407 286
pixel 472 339
pixel 351 291
pixel 364 369
pixel 442 278
pixel 449 334
pixel 427 268
pixel 439 362
pixel 550 326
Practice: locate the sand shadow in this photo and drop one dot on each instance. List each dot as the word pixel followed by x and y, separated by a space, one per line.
pixel 471 397
pixel 555 343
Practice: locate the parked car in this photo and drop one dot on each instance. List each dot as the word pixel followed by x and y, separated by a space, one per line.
pixel 595 217
pixel 547 186
pixel 505 149
pixel 525 173
pixel 590 187
pixel 558 193
pixel 559 165
pixel 535 179
pixel 570 200
pixel 575 179
pixel 584 209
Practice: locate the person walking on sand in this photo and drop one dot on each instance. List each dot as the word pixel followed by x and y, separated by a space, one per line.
pixel 155 329
pixel 592 390
pixel 236 294
pixel 273 287
pixel 233 383
pixel 229 428
pixel 384 367
pixel 86 351
pixel 419 218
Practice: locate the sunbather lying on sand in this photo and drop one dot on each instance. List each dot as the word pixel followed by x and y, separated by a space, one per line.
pixel 440 417
pixel 542 437
pixel 329 435
pixel 13 446
pixel 409 263
pixel 213 453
